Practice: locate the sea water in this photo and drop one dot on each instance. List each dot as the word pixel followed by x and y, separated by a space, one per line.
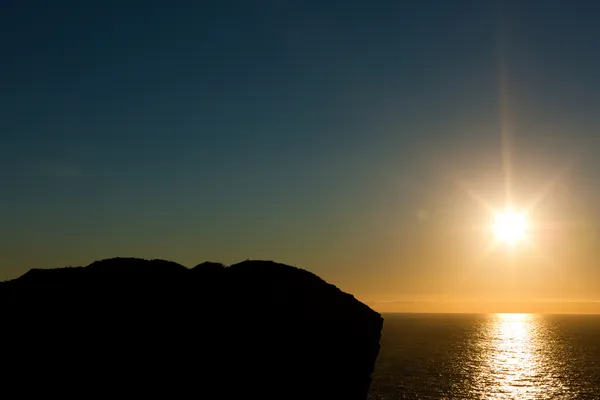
pixel 495 356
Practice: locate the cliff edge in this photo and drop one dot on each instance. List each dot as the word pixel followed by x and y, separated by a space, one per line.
pixel 132 327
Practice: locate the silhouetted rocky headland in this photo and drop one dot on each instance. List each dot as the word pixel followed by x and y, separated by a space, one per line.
pixel 128 327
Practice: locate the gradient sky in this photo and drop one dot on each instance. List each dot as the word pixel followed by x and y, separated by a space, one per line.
pixel 349 138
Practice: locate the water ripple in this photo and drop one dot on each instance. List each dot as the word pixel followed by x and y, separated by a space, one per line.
pixel 502 356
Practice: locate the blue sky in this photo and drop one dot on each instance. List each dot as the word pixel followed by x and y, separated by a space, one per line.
pixel 310 132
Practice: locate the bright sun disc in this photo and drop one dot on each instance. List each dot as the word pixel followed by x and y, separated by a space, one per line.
pixel 510 227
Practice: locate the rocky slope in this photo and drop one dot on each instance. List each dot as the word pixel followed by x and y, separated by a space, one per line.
pixel 131 327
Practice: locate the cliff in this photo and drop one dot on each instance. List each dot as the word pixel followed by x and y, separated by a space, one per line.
pixel 131 327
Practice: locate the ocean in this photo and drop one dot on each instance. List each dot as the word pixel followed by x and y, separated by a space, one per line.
pixel 494 356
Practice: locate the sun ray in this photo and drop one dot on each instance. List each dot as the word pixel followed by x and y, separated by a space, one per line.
pixel 506 135
pixel 504 111
pixel 473 195
pixel 550 186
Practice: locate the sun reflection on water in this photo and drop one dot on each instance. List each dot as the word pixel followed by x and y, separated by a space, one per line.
pixel 514 360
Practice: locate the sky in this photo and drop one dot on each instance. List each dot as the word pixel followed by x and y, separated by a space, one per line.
pixel 366 141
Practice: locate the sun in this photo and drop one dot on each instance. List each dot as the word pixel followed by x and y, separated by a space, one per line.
pixel 510 227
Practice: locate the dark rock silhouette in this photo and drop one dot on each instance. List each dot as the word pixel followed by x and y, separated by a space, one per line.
pixel 129 327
